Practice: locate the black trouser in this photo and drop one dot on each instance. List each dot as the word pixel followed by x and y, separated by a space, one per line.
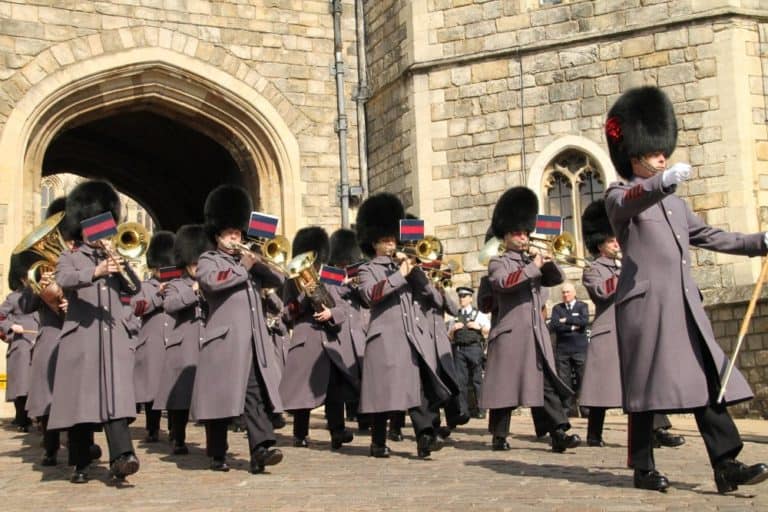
pixel 568 365
pixel 548 417
pixel 51 438
pixel 720 435
pixel 422 420
pixel 597 420
pixel 257 421
pixel 396 420
pixel 177 425
pixel 20 405
pixel 153 418
pixel 468 360
pixel 81 438
pixel 334 407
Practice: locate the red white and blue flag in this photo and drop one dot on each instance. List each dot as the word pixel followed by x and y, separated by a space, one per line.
pixel 332 275
pixel 549 225
pixel 411 230
pixel 101 226
pixel 262 225
pixel 165 274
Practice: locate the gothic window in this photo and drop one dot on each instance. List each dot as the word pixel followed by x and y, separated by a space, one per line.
pixel 571 182
pixel 46 196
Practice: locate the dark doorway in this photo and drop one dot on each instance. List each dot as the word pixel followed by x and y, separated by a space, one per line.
pixel 163 164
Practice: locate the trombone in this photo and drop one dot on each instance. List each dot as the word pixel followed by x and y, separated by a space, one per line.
pixel 562 248
pixel 428 249
pixel 274 251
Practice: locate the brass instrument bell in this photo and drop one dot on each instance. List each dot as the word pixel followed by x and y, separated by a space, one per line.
pixel 301 269
pixel 493 247
pixel 131 240
pixel 46 241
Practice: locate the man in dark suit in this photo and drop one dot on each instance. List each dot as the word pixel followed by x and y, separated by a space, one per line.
pixel 569 320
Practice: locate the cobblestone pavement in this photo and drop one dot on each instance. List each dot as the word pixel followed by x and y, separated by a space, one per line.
pixel 465 475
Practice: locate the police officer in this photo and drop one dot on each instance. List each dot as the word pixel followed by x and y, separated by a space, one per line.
pixel 468 333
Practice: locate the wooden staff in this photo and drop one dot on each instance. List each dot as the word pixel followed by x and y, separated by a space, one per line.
pixel 743 330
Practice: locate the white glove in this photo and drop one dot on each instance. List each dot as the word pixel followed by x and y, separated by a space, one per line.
pixel 676 174
pixel 765 239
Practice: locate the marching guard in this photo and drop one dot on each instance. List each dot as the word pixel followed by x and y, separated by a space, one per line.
pixel 675 364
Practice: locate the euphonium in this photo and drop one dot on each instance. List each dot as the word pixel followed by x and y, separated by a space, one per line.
pixel 302 270
pixel 46 241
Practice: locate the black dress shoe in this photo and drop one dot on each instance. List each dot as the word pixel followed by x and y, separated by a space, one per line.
pixel 651 480
pixel 444 432
pixel 461 419
pixel 49 460
pixel 730 474
pixel 595 442
pixel 341 437
pixel 94 452
pixel 265 457
pixel 395 435
pixel 23 428
pixel 79 476
pixel 500 444
pixel 379 451
pixel 480 415
pixel 180 449
pixel 424 445
pixel 300 442
pixel 219 465
pixel 562 441
pixel 662 437
pixel 124 465
pixel 152 437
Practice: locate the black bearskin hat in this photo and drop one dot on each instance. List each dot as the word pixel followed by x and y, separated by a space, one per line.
pixel 515 210
pixel 312 238
pixel 191 241
pixel 344 248
pixel 160 251
pixel 227 206
pixel 18 267
pixel 641 121
pixel 377 217
pixel 595 226
pixel 88 199
pixel 57 205
pixel 488 234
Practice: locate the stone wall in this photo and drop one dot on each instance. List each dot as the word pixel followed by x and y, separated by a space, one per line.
pixel 753 356
pixel 283 48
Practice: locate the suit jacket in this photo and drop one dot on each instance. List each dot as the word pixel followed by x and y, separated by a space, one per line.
pixel 663 331
pixel 570 328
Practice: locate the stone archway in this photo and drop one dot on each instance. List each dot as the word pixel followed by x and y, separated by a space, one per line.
pixel 230 110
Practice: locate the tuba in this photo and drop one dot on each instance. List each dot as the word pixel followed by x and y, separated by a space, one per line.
pixel 46 241
pixel 302 270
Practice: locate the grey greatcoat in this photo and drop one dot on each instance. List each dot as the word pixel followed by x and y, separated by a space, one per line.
pixel 182 348
pixel 356 326
pixel 314 348
pixel 399 344
pixel 19 352
pixel 663 331
pixel 150 343
pixel 434 304
pixel 601 385
pixel 42 370
pixel 277 327
pixel 235 337
pixel 94 369
pixel 519 346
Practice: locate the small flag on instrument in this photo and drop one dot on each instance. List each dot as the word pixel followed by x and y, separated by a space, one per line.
pixel 354 269
pixel 262 225
pixel 411 229
pixel 332 275
pixel 101 226
pixel 549 224
pixel 165 274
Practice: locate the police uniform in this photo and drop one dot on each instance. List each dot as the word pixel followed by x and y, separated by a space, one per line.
pixel 468 352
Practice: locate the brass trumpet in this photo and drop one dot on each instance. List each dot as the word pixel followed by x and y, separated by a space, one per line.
pixel 443 275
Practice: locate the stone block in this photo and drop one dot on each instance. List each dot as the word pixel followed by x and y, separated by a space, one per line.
pixel 637 46
pixel 607 85
pixel 676 38
pixel 676 74
pixel 654 60
pixel 710 201
pixel 761 150
pixel 593 106
pixel 492 70
pixel 705 68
